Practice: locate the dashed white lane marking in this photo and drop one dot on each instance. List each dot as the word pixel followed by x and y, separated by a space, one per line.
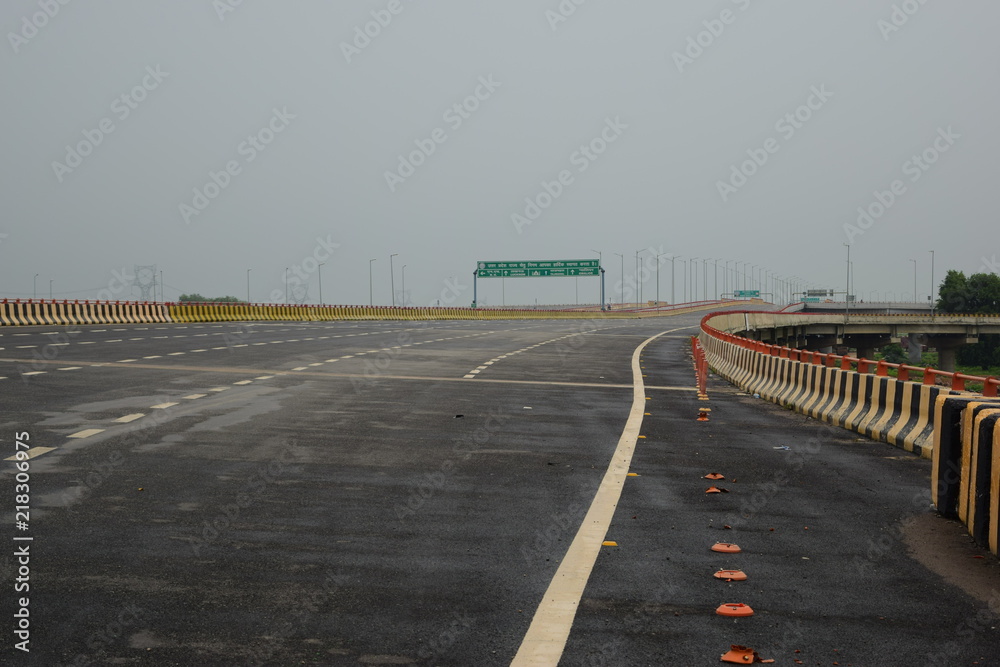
pixel 154 356
pixel 319 364
pixel 264 377
pixel 130 418
pixel 199 350
pixel 114 340
pixel 32 453
pixel 131 339
pixel 175 354
pixel 330 361
pixel 92 331
pixel 300 368
pixel 86 433
pixel 241 382
pixel 219 348
pixel 127 361
pixel 219 389
pixel 163 406
pixel 25 347
pixel 546 638
pixel 87 342
pixel 56 344
pixel 35 373
pixel 192 397
pixel 70 368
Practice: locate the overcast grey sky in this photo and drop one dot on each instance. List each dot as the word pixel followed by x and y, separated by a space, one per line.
pixel 117 112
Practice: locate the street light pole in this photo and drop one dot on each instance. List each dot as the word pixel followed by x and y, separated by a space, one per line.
pixel 319 267
pixel 248 287
pixel 286 285
pixel 404 284
pixel 933 303
pixel 371 300
pixel 658 280
pixel 847 297
pixel 50 289
pixel 914 280
pixel 600 275
pixel 392 278
pixel 34 287
pixel 623 278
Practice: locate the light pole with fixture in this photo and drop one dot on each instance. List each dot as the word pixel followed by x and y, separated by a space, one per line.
pixel 623 278
pixel 371 299
pixel 404 284
pixel 319 267
pixel 392 279
pixel 248 287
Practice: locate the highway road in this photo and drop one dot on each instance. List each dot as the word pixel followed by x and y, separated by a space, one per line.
pixel 398 493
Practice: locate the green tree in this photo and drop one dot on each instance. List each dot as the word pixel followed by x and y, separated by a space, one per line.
pixel 198 298
pixel 978 294
pixel 191 297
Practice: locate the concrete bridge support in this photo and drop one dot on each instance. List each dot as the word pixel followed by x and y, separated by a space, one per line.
pixel 947 348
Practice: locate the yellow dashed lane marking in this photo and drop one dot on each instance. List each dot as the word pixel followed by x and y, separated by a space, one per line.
pixel 163 406
pixel 130 418
pixel 32 453
pixel 86 433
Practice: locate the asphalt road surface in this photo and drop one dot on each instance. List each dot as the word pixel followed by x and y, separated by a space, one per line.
pixel 398 493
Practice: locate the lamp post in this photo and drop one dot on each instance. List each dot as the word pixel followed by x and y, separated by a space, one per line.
pixel 931 297
pixel 319 267
pixel 404 284
pixel 50 289
pixel 286 285
pixel 623 278
pixel 658 280
pixel 847 297
pixel 672 296
pixel 161 285
pixel 34 287
pixel 392 278
pixel 600 270
pixel 248 287
pixel 692 268
pixel 914 280
pixel 684 268
pixel 371 300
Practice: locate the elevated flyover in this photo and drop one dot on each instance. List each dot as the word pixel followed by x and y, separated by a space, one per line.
pixel 863 332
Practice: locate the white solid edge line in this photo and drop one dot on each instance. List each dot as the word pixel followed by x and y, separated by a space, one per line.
pixel 546 638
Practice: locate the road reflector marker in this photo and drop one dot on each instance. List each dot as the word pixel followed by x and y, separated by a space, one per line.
pixel 130 418
pixel 633 474
pixel 734 609
pixel 714 475
pixel 163 406
pixel 726 548
pixel 647 414
pixel 643 437
pixel 731 575
pixel 86 433
pixel 715 489
pixel 743 655
pixel 609 543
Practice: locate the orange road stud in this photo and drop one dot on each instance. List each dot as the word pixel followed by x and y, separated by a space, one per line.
pixel 703 414
pixel 726 548
pixel 633 474
pixel 715 489
pixel 609 543
pixel 731 575
pixel 714 475
pixel 742 655
pixel 737 609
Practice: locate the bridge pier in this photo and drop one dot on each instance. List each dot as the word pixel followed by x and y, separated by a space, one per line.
pixel 947 348
pixel 867 344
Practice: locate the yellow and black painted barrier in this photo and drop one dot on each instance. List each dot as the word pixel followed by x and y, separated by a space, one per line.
pixel 19 312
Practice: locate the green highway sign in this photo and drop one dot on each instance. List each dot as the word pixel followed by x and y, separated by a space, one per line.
pixel 810 299
pixel 539 269
pixel 747 292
